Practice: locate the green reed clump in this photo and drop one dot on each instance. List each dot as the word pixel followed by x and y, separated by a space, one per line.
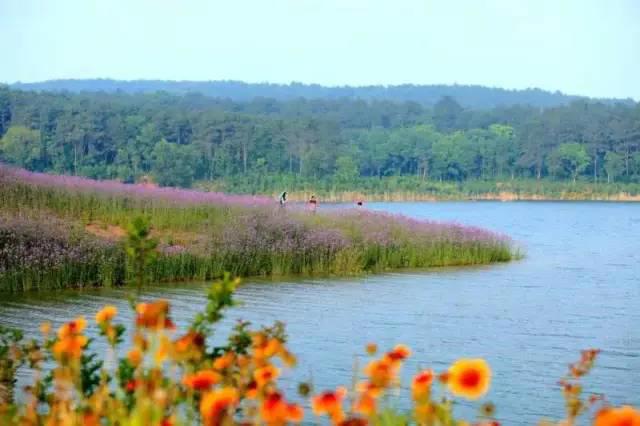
pixel 140 248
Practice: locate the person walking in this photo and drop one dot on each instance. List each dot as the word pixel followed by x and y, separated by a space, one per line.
pixel 283 198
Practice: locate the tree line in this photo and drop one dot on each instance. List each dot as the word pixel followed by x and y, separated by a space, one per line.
pixel 470 96
pixel 180 139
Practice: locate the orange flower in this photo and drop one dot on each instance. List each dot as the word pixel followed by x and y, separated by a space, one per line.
pixel 45 328
pixel 589 355
pixel 381 372
pixel 469 378
pixel 131 385
pixel 154 315
pixel 421 385
pixel 214 405
pixel 371 348
pixel 189 347
pixel 252 390
pixel 353 421
pixel 201 380
pixel 288 359
pixel 444 377
pixel 224 361
pixel 272 347
pixel 106 314
pixel 368 388
pixel 265 375
pixel 140 341
pixel 328 402
pixel 265 348
pixel 275 410
pixel 365 405
pixel 164 348
pixel 135 356
pixel 111 334
pixel 295 413
pixel 399 353
pixel 70 347
pixel 243 361
pixel 622 416
pixel 90 419
pixel 425 414
pixel 72 328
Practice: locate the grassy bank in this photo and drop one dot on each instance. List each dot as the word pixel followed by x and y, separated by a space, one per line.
pixel 201 235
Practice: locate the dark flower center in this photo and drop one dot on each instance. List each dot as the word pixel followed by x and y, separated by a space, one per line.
pixel 470 378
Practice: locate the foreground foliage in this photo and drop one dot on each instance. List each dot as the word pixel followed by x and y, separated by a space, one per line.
pixel 62 231
pixel 170 377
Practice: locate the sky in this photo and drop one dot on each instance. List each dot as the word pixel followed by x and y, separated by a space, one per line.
pixel 585 47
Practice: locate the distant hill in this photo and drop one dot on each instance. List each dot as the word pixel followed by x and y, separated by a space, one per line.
pixel 476 97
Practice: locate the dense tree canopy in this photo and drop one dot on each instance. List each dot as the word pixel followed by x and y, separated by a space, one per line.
pixel 179 139
pixel 469 96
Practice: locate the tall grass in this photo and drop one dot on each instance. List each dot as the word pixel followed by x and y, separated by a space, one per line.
pixel 201 236
pixel 42 252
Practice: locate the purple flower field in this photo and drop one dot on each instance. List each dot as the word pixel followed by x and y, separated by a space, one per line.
pixel 34 250
pixel 81 184
pixel 388 229
pixel 203 234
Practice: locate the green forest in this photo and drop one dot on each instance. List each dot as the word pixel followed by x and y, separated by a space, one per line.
pixel 330 144
pixel 471 96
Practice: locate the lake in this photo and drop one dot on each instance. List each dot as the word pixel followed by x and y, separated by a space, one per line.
pixel 578 287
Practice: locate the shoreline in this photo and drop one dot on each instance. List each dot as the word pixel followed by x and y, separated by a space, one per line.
pixel 349 197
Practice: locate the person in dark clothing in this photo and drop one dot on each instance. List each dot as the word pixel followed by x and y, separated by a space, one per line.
pixel 283 199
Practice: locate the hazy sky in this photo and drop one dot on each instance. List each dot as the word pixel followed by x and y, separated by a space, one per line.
pixel 588 47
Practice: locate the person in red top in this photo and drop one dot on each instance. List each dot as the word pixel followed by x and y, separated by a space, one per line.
pixel 313 204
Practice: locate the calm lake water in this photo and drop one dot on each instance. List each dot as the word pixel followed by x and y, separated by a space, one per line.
pixel 578 287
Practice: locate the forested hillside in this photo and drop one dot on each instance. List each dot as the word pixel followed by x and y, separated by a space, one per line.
pixel 468 96
pixel 338 143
